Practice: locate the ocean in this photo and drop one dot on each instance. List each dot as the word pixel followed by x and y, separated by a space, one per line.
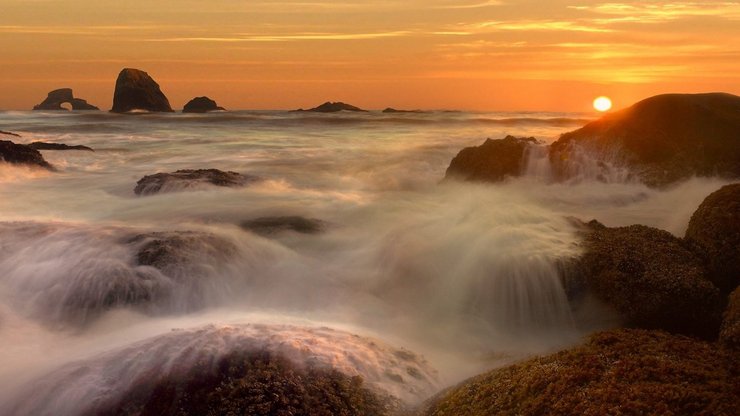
pixel 461 277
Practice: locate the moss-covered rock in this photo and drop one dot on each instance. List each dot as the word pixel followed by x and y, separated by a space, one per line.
pixel 650 277
pixel 714 233
pixel 729 334
pixel 622 372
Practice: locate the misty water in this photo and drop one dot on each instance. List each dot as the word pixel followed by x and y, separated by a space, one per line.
pixel 410 275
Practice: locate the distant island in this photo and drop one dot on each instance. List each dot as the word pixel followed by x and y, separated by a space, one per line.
pixel 333 107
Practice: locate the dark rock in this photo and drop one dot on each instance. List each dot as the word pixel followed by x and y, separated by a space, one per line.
pixel 20 154
pixel 662 139
pixel 251 383
pixel 333 107
pixel 136 90
pixel 201 105
pixel 626 372
pixel 729 334
pixel 176 252
pixel 9 133
pixel 190 179
pixel 714 234
pixel 492 161
pixel 393 110
pixel 273 225
pixel 56 98
pixel 650 277
pixel 57 146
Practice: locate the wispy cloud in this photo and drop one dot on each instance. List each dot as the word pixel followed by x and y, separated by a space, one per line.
pixel 536 25
pixel 285 37
pixel 663 11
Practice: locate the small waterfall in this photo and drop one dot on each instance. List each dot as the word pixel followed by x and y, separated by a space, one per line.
pixel 538 163
pixel 577 163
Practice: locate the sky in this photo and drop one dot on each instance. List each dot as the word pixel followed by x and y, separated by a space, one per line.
pixel 428 54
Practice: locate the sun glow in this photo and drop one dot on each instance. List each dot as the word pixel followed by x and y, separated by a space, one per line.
pixel 602 104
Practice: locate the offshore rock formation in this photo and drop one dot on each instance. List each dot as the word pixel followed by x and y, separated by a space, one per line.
pixel 274 225
pixel 56 98
pixel 19 154
pixel 492 161
pixel 201 105
pixel 714 234
pixel 626 371
pixel 136 90
pixel 662 139
pixel 393 110
pixel 650 277
pixel 57 146
pixel 10 133
pixel 333 107
pixel 188 179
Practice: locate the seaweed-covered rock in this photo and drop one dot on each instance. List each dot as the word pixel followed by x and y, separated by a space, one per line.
pixel 662 139
pixel 56 98
pixel 729 334
pixel 19 154
pixel 273 225
pixel 57 146
pixel 136 90
pixel 201 105
pixel 626 372
pixel 714 233
pixel 333 107
pixel 650 278
pixel 186 179
pixel 492 161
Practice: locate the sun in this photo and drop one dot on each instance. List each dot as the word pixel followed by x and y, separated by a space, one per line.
pixel 602 103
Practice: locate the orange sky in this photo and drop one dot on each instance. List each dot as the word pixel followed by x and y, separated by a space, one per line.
pixel 463 54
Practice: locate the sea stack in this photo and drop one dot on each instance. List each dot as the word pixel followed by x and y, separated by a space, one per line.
pixel 56 98
pixel 136 90
pixel 201 105
pixel 333 107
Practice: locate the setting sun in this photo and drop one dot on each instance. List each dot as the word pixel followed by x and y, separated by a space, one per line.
pixel 602 103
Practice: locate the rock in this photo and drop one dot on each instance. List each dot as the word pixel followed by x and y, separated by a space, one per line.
pixel 201 105
pixel 662 139
pixel 56 98
pixel 493 161
pixel 9 133
pixel 330 107
pixel 176 252
pixel 274 225
pixel 714 233
pixel 393 110
pixel 185 179
pixel 57 146
pixel 625 372
pixel 19 154
pixel 729 334
pixel 136 90
pixel 650 277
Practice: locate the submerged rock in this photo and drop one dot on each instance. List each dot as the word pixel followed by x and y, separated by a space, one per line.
pixel 274 225
pixel 729 334
pixel 492 161
pixel 136 90
pixel 185 179
pixel 10 133
pixel 201 105
pixel 662 139
pixel 630 372
pixel 56 98
pixel 176 253
pixel 393 110
pixel 333 107
pixel 252 369
pixel 650 277
pixel 714 234
pixel 19 154
pixel 57 146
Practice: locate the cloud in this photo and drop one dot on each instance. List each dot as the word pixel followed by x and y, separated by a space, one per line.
pixel 663 11
pixel 286 37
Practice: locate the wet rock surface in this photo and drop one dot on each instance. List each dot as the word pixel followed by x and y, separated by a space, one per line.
pixel 729 334
pixel 626 371
pixel 19 154
pixel 274 225
pixel 493 161
pixel 10 133
pixel 136 90
pixel 186 179
pixel 714 234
